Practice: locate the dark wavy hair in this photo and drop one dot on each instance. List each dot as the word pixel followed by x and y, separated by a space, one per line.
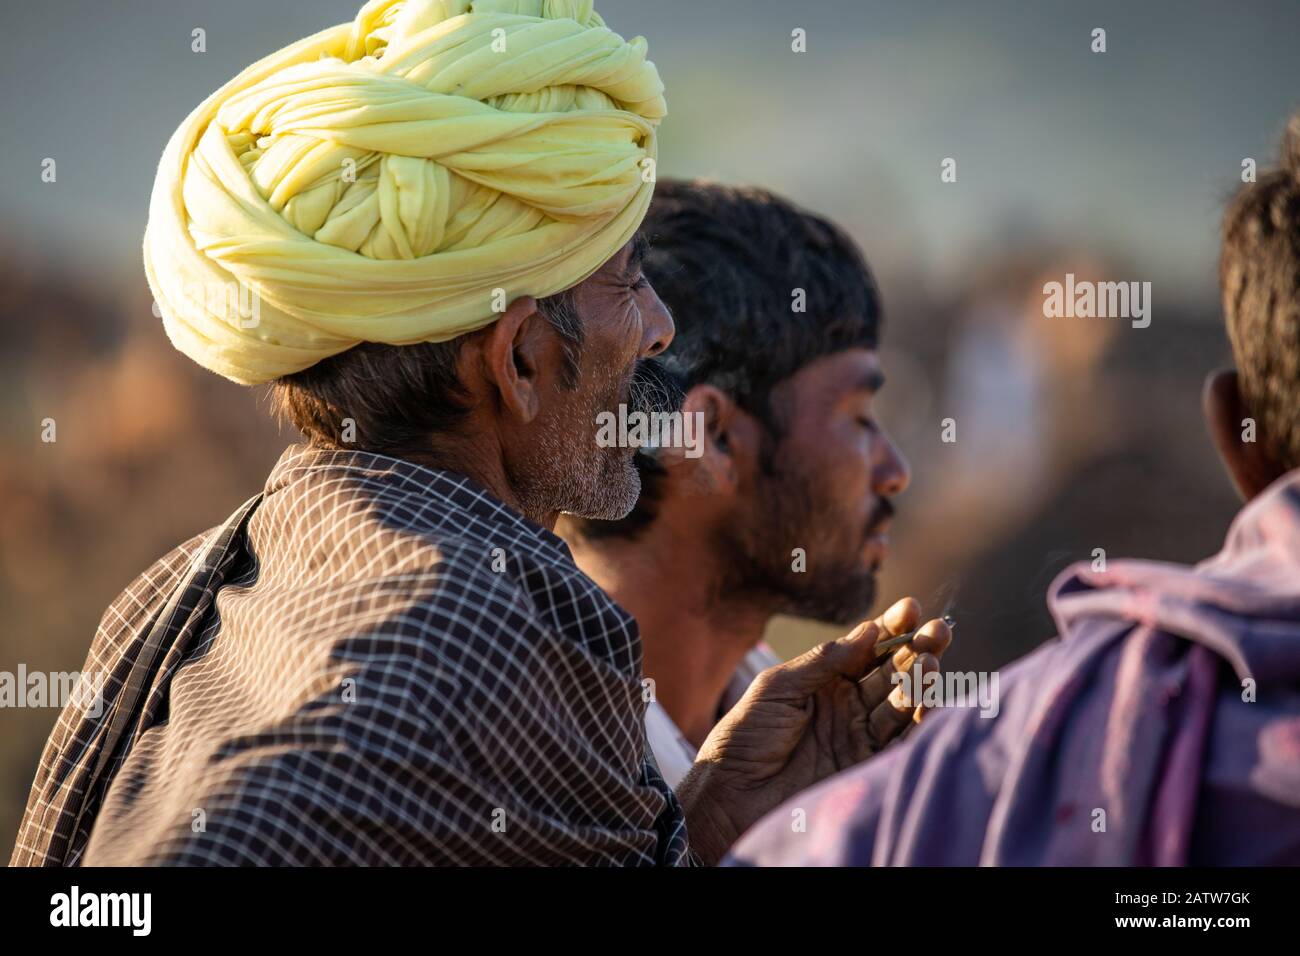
pixel 1259 269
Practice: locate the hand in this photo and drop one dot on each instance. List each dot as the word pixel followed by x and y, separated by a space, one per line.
pixel 802 721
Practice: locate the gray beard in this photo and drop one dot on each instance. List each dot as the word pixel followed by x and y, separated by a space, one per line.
pixel 609 496
pixel 573 474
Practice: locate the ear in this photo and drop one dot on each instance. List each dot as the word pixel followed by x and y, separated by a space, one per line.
pixel 1249 464
pixel 714 425
pixel 514 355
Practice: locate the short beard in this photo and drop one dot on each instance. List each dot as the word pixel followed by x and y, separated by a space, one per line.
pixel 842 595
pixel 834 587
pixel 570 473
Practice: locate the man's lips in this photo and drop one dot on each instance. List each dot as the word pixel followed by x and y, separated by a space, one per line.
pixel 876 547
pixel 880 524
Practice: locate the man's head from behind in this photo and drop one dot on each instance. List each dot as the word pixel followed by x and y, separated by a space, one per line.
pixel 1260 274
pixel 777 322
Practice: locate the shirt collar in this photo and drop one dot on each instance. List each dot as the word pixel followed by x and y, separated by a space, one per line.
pixel 446 487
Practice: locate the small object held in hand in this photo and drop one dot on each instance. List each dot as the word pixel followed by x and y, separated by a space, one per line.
pixel 885 646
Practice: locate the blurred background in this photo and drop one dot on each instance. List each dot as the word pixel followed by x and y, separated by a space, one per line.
pixel 1072 434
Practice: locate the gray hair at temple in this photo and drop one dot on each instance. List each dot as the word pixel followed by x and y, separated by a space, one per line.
pixel 398 396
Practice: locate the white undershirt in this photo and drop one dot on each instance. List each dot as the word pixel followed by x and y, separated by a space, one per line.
pixel 673 752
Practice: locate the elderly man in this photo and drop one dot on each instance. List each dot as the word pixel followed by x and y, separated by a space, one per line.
pixel 420 227
pixel 783 503
pixel 1163 726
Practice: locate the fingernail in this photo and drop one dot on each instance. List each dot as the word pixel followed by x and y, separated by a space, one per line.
pixel 899 699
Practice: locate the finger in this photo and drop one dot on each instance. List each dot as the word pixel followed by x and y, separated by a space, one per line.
pixel 897 712
pixel 847 743
pixel 860 726
pixel 933 638
pixel 849 657
pixel 901 617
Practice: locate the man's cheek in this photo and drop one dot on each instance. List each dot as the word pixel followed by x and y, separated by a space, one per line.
pixel 848 487
pixel 633 332
pixel 835 471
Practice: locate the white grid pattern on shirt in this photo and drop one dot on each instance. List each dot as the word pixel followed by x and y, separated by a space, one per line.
pixel 481 697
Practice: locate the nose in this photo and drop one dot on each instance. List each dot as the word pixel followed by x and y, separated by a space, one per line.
pixel 656 323
pixel 891 474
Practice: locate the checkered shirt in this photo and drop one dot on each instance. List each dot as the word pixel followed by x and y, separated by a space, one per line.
pixel 372 663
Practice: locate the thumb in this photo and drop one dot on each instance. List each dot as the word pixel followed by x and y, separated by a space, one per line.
pixel 850 657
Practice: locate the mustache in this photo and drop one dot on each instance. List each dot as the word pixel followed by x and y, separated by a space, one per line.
pixel 883 511
pixel 651 389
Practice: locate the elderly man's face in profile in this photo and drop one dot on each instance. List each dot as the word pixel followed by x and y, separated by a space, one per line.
pixel 623 321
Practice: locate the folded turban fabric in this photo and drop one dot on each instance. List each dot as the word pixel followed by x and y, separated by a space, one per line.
pixel 398 179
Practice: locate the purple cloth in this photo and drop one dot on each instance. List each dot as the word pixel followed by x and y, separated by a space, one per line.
pixel 1136 709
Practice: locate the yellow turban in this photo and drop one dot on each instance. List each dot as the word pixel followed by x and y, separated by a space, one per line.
pixel 399 179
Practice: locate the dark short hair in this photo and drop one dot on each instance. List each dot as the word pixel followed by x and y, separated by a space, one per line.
pixel 398 396
pixel 730 263
pixel 1259 269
